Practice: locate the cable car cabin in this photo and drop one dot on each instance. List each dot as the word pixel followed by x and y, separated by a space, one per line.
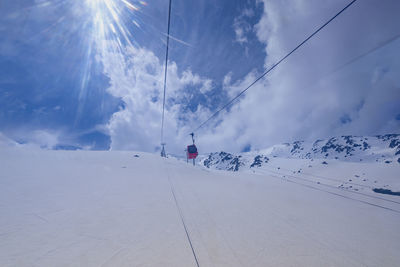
pixel 192 152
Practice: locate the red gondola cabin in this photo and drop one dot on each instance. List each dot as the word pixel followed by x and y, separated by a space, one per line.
pixel 192 152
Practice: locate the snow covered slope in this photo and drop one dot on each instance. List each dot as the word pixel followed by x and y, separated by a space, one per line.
pixel 85 208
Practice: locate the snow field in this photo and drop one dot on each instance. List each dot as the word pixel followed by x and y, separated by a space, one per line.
pixel 113 209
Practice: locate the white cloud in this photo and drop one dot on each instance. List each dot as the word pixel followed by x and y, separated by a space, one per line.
pixel 46 139
pixel 241 26
pixel 302 98
pixel 234 89
pixel 227 79
pixel 240 32
pixel 137 77
pixel 6 142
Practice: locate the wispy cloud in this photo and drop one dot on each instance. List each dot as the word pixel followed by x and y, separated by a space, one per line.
pixel 241 25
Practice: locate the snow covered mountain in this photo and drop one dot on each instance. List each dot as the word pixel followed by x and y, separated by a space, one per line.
pixel 366 165
pixel 381 148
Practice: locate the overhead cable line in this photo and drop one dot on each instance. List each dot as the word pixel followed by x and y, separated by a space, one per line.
pixel 165 82
pixel 361 56
pixel 274 66
pixel 171 184
pixel 372 50
pixel 331 186
pixel 337 194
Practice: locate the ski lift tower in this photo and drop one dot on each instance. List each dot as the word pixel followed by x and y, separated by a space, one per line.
pixel 163 154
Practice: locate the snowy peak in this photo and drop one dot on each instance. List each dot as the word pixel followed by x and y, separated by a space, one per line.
pixel 352 148
pixel 259 160
pixel 224 161
pixel 230 162
pixel 344 146
pixel 381 148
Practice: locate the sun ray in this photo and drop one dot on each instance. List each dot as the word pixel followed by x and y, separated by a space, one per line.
pixel 113 20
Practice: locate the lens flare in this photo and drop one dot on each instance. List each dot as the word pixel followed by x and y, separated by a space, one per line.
pixel 130 6
pixel 111 32
pixel 113 21
pixel 84 36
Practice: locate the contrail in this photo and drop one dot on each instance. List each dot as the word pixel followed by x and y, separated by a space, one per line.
pixel 178 40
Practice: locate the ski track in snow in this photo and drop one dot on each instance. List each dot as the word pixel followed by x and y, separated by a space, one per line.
pixel 86 208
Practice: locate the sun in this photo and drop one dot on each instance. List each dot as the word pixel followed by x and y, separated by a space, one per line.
pixel 114 20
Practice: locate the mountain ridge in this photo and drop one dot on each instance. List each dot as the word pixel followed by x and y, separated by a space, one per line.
pixel 379 148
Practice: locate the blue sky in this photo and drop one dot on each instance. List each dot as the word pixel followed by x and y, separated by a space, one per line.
pixel 89 73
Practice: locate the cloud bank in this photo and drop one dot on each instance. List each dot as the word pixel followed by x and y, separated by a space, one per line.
pixel 318 92
pixel 308 97
pixel 136 77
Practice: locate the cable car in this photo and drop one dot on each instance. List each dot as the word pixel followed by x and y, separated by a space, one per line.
pixel 191 151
